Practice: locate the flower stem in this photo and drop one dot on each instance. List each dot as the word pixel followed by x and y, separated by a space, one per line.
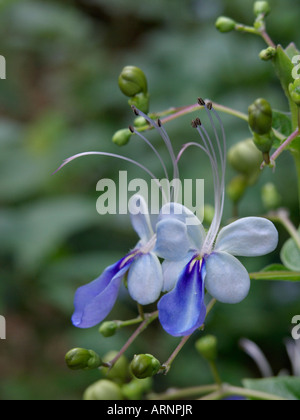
pixel 282 216
pixel 284 145
pixel 149 318
pixel 167 365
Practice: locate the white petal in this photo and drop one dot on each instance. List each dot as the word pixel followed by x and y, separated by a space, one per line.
pixel 172 239
pixel 145 279
pixel 140 219
pixel 172 271
pixel 181 213
pixel 226 279
pixel 248 237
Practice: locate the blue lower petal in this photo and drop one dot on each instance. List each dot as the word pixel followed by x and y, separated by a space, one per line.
pixel 94 301
pixel 182 311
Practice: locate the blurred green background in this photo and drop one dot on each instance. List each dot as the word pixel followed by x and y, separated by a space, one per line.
pixel 61 98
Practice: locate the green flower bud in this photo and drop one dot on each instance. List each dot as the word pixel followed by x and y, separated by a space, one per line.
pixel 267 54
pixel 120 371
pixel 141 102
pixel 208 347
pixel 140 122
pixel 244 157
pixel 261 8
pixel 122 137
pixel 260 116
pixel 132 81
pixel 270 196
pixel 135 389
pixel 294 89
pixel 144 366
pixel 264 143
pixel 103 390
pixel 225 24
pixel 78 359
pixel 237 188
pixel 108 328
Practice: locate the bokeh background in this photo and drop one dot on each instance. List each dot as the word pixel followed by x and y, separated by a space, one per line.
pixel 61 98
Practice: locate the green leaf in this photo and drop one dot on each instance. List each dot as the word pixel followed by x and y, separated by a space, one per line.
pixel 290 255
pixel 291 50
pixel 282 122
pixel 286 386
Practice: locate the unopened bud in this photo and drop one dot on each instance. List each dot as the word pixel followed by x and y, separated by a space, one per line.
pixel 141 102
pixel 260 116
pixel 237 187
pixel 144 366
pixel 135 389
pixel 261 8
pixel 264 143
pixel 140 122
pixel 132 81
pixel 120 371
pixel 225 24
pixel 78 359
pixel 208 347
pixel 103 390
pixel 244 157
pixel 108 328
pixel 267 54
pixel 294 89
pixel 122 137
pixel 270 196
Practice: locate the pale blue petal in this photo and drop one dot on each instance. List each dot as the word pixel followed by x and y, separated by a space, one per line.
pixel 182 311
pixel 248 237
pixel 172 270
pixel 140 220
pixel 181 213
pixel 172 240
pixel 226 279
pixel 94 301
pixel 145 279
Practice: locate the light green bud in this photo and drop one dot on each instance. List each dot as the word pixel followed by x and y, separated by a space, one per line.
pixel 140 122
pixel 260 116
pixel 270 196
pixel 294 89
pixel 244 157
pixel 261 8
pixel 108 328
pixel 78 359
pixel 135 389
pixel 267 54
pixel 209 213
pixel 141 102
pixel 120 371
pixel 144 366
pixel 122 137
pixel 103 390
pixel 237 188
pixel 225 24
pixel 208 347
pixel 133 81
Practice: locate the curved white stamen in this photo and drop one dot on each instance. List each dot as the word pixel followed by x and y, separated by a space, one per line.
pixel 146 249
pixel 70 159
pixel 154 150
pixel 165 138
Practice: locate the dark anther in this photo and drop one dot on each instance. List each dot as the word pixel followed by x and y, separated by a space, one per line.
pixel 201 102
pixel 194 124
pixel 135 110
pixel 209 105
pixel 159 123
pixel 198 122
pixel 131 129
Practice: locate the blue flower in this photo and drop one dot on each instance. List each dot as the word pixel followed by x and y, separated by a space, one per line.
pixel 196 260
pixel 94 301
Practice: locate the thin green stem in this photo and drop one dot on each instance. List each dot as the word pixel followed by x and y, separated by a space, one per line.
pixel 149 318
pixel 167 365
pixel 214 370
pixel 177 394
